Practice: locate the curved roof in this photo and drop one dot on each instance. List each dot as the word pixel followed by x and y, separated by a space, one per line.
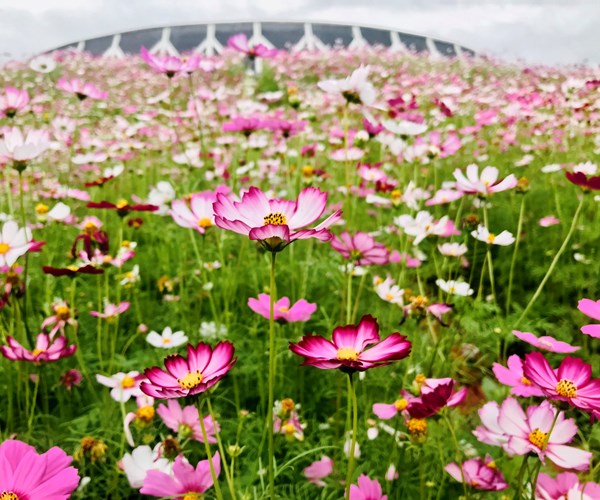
pixel 211 38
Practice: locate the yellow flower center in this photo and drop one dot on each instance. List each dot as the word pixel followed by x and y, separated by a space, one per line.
pixel 491 465
pixel 538 438
pixel 9 495
pixel 420 379
pixel 289 428
pixel 284 309
pixel 63 312
pixel 73 268
pixel 41 209
pixel 276 219
pixel 396 194
pixel 37 352
pixel 166 340
pixel 205 222
pixel 401 404
pixel 347 354
pixel 90 227
pixel 121 204
pixel 190 381
pixel 417 426
pixel 308 171
pixel 525 381
pixel 145 413
pixel 4 248
pixel 127 382
pixel 288 404
pixel 491 238
pixel 389 296
pixel 566 388
pixel 192 496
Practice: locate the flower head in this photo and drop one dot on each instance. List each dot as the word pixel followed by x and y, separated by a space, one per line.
pixel 82 90
pixel 348 349
pixel 123 385
pixel 241 44
pixel 14 242
pixel 512 375
pixel 166 339
pixel 545 343
pixel 46 349
pixel 318 470
pixel 141 460
pixel 282 311
pixel 361 248
pixel 186 422
pixel 367 489
pixel 202 369
pixel 478 473
pixel 503 239
pixel 591 309
pixel 355 89
pixel 484 184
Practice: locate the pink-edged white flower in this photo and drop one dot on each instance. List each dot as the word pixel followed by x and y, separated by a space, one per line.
pixel 452 249
pixel 484 184
pixel 545 343
pixel 318 470
pixel 520 432
pixel 12 101
pixel 347 154
pixel 480 474
pixel 198 214
pixel 282 311
pixel 453 287
pixel 186 421
pixel 503 239
pixel 590 308
pixel 404 127
pixel 367 489
pixel 141 460
pixel 14 242
pixel 565 486
pixel 388 290
pixel 81 89
pixel 23 148
pixel 443 196
pixel 513 376
pixel 167 339
pixel 275 223
pixel 111 311
pixel 123 385
pixel 355 89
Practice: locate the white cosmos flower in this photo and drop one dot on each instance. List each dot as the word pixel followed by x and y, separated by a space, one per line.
pixel 208 329
pixel 404 127
pixel 142 459
pixel 452 249
pixel 14 242
pixel 388 290
pixel 17 147
pixel 422 225
pixel 503 239
pixel 356 88
pixel 461 288
pixel 60 211
pixel 42 64
pixel 166 339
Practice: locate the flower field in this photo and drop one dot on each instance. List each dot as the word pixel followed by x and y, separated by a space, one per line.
pixel 359 274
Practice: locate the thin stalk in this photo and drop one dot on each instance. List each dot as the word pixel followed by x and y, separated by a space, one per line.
pixel 458 454
pixel 269 422
pixel 228 474
pixel 489 254
pixel 514 256
pixel 33 400
pixel 352 397
pixel 522 470
pixel 553 264
pixel 209 454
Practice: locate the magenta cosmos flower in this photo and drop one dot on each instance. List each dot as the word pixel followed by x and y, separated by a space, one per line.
pixel 519 432
pixel 275 223
pixel 240 43
pixel 170 65
pixel 436 393
pixel 45 350
pixel 591 309
pixel 300 311
pixel 571 382
pixel 186 422
pixel 186 481
pixel 202 369
pixel 512 375
pixel 25 475
pixel 348 350
pixel 478 473
pixel 367 489
pixel 545 343
pixel 360 248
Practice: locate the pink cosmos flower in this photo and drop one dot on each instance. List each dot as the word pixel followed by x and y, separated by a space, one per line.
pixel 198 215
pixel 80 89
pixel 275 223
pixel 545 343
pixel 571 382
pixel 478 473
pixel 60 318
pixel 548 221
pixel 14 242
pixel 244 124
pixel 318 470
pixel 241 44
pixel 12 101
pixel 185 481
pixel 186 422
pixel 367 489
pixel 123 385
pixel 203 368
pixel 513 376
pixel 520 432
pixel 565 486
pixel 591 309
pixel 46 349
pixel 354 89
pixel 443 196
pixel 436 393
pixel 111 310
pixel 170 65
pixel 300 311
pixel 348 350
pixel 484 184
pixel 361 248
pixel 28 475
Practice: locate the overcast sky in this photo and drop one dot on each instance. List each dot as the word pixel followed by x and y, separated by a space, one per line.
pixel 536 31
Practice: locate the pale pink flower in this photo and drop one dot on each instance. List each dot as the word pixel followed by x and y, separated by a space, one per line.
pixel 282 311
pixel 545 343
pixel 367 489
pixel 123 385
pixel 12 101
pixel 484 184
pixel 318 470
pixel 111 310
pixel 186 422
pixel 592 309
pixel 548 221
pixel 355 89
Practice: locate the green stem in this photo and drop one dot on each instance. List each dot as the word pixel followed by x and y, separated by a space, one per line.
pixel 209 454
pixel 520 477
pixel 489 254
pixel 352 397
pixel 458 454
pixel 553 264
pixel 228 474
pixel 514 255
pixel 269 422
pixel 33 400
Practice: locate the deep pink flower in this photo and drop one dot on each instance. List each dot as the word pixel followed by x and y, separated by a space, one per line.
pixel 12 101
pixel 26 475
pixel 241 44
pixel 80 89
pixel 316 471
pixel 348 350
pixel 186 422
pixel 367 489
pixel 436 393
pixel 583 180
pixel 275 223
pixel 591 309
pixel 571 382
pixel 478 473
pixel 300 311
pixel 203 368
pixel 361 248
pixel 244 124
pixel 565 486
pixel 545 343
pixel 520 432
pixel 513 376
pixel 185 481
pixel 45 350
